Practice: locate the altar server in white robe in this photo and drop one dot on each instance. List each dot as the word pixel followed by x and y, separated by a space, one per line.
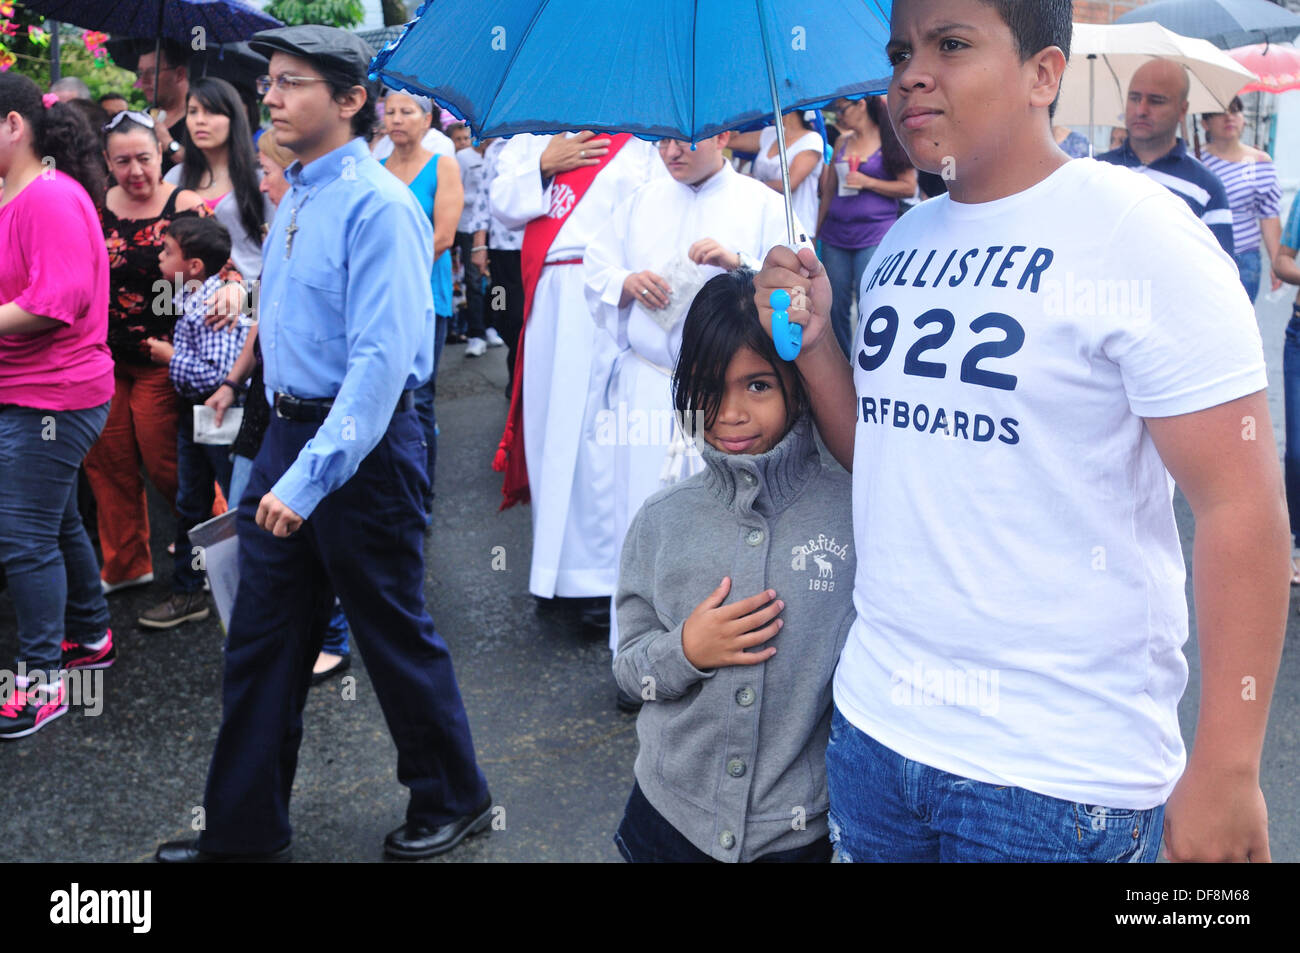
pixel 642 270
pixel 567 360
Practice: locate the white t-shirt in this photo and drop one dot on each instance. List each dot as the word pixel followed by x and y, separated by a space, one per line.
pixel 1020 583
pixel 767 168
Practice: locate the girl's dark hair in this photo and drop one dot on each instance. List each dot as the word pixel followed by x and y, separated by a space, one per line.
pixel 722 319
pixel 218 96
pixel 60 133
pixel 895 156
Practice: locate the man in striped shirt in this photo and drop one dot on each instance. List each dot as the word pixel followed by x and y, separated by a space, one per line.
pixel 1157 104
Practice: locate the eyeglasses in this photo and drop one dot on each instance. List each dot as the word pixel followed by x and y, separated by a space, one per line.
pixel 142 118
pixel 284 83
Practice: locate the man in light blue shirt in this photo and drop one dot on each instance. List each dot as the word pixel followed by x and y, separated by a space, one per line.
pixel 334 502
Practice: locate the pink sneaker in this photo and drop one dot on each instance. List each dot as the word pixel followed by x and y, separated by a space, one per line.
pixel 80 656
pixel 26 714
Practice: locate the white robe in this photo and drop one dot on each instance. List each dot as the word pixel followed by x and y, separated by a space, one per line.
pixel 567 365
pixel 662 220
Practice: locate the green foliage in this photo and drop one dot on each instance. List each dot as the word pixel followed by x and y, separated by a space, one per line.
pixel 342 13
pixel 31 57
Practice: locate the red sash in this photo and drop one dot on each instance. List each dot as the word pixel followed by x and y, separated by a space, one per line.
pixel 567 191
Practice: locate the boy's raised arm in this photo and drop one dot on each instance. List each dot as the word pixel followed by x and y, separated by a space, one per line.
pixel 827 376
pixel 1240 582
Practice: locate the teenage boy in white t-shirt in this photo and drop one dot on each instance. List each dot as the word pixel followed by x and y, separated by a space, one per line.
pixel 1039 351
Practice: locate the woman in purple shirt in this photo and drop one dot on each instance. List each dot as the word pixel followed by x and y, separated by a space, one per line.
pixel 861 189
pixel 56 379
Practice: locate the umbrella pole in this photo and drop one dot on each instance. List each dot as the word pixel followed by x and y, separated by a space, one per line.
pixel 1092 101
pixel 56 64
pixel 780 127
pixel 157 54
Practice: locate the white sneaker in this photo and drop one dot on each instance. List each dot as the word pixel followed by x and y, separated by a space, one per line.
pixel 126 583
pixel 476 347
pixel 494 339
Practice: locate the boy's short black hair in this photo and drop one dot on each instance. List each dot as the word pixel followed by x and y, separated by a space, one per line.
pixel 722 319
pixel 364 119
pixel 1036 25
pixel 203 238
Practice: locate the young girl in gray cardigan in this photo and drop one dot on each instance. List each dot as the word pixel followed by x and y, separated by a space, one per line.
pixel 735 596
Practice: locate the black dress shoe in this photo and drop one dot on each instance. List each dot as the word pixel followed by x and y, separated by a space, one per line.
pixel 338 668
pixel 187 852
pixel 413 841
pixel 595 613
pixel 627 703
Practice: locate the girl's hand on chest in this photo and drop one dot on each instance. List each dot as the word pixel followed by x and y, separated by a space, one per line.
pixel 714 635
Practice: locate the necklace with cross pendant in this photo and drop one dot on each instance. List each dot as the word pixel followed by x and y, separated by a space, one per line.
pixel 292 230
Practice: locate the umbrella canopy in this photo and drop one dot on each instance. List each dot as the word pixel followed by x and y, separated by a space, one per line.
pixel 1103 60
pixel 1278 67
pixel 222 20
pixel 682 69
pixel 1225 23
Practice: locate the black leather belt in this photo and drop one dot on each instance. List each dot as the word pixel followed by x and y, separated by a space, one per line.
pixel 316 409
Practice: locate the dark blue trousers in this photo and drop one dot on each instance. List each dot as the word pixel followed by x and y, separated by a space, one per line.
pixel 365 543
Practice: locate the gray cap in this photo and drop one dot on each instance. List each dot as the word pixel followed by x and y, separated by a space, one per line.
pixel 326 46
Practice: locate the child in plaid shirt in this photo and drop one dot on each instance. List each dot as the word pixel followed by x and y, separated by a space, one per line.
pixel 199 361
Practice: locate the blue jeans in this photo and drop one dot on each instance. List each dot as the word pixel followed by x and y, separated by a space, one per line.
pixel 1291 403
pixel 1250 265
pixel 646 837
pixel 885 808
pixel 844 268
pixel 51 567
pixel 424 395
pixel 197 466
pixel 336 631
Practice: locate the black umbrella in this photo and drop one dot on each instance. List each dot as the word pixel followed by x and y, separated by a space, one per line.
pixel 216 21
pixel 1225 23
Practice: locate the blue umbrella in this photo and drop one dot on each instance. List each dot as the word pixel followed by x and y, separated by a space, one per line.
pixel 680 69
pixel 1225 23
pixel 222 21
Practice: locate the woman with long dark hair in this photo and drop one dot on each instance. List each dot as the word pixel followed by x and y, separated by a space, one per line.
pixel 861 189
pixel 56 380
pixel 221 166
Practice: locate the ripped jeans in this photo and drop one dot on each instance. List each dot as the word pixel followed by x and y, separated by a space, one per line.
pixel 885 808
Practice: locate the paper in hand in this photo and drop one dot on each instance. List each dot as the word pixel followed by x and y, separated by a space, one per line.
pixel 205 425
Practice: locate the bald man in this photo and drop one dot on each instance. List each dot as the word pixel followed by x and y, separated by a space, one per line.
pixel 1157 104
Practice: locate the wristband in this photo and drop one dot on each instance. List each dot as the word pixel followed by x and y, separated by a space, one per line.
pixel 237 388
pixel 479 248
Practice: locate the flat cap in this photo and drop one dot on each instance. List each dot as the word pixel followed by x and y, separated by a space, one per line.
pixel 327 46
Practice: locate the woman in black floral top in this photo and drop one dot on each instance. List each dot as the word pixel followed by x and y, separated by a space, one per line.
pixel 142 420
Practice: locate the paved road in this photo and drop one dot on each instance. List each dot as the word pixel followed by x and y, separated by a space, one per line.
pixel 557 755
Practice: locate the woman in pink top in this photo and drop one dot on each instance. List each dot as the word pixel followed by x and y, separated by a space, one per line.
pixel 56 380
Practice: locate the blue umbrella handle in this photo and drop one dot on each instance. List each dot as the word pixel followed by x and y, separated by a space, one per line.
pixel 787 337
